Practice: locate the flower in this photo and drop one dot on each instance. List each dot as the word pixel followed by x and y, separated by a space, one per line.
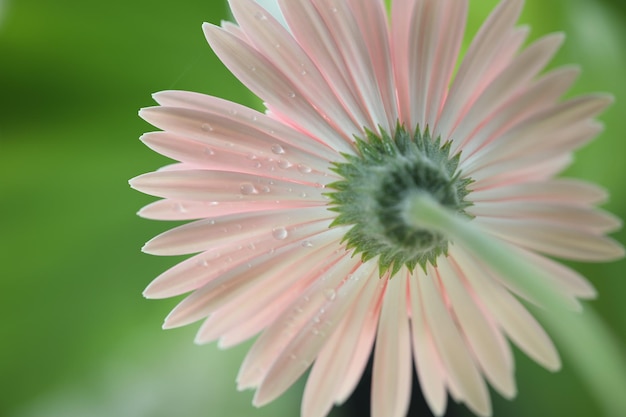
pixel 316 224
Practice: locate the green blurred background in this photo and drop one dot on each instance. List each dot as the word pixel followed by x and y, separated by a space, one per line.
pixel 77 338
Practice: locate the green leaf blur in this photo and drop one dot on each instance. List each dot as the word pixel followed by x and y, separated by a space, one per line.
pixel 78 339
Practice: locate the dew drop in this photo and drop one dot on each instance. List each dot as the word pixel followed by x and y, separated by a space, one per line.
pixel 265 189
pixel 248 189
pixel 277 149
pixel 307 244
pixel 209 152
pixel 291 95
pixel 260 16
pixel 279 233
pixel 257 164
pixel 251 246
pixel 303 194
pixel 179 208
pixel 330 294
pixel 303 72
pixel 304 169
pixel 252 68
pixel 203 263
pixel 284 164
pixel 206 127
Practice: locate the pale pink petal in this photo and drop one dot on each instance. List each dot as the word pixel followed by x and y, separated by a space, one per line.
pixel 309 22
pixel 266 79
pixel 279 335
pixel 230 133
pixel 225 255
pixel 372 22
pixel 201 156
pixel 560 128
pixel 486 343
pixel 431 22
pixel 175 209
pixel 273 41
pixel 202 185
pixel 558 190
pixel 391 377
pixel 401 19
pixel 332 364
pixel 428 364
pixel 476 64
pixel 537 97
pixel 576 216
pixel 459 364
pixel 263 303
pixel 507 84
pixel 554 239
pixel 514 319
pixel 241 277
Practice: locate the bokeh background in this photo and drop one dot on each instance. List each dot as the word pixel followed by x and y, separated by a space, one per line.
pixel 76 336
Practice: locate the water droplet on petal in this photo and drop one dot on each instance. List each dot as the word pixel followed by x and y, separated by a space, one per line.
pixel 277 149
pixel 206 127
pixel 284 164
pixel 203 263
pixel 180 208
pixel 304 169
pixel 265 189
pixel 291 95
pixel 279 233
pixel 248 189
pixel 307 244
pixel 209 152
pixel 330 294
pixel 260 16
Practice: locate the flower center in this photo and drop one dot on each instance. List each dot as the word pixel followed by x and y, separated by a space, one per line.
pixel 376 187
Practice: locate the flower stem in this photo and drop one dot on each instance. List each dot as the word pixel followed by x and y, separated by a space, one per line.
pixel 424 212
pixel 584 338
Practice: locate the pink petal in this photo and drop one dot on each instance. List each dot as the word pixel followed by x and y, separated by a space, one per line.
pixel 267 80
pixel 507 84
pixel 557 190
pixel 478 62
pixel 391 376
pixel 300 314
pixel 333 362
pixel 310 30
pixel 202 185
pixel 486 341
pixel 554 239
pixel 277 45
pixel 224 255
pixel 514 319
pixel 459 364
pixel 267 299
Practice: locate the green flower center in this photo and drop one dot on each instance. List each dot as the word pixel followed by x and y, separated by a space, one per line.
pixel 375 189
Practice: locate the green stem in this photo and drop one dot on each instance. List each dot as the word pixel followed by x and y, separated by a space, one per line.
pixel 584 338
pixel 424 212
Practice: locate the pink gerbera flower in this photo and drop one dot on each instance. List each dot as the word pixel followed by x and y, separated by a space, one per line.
pixel 333 222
